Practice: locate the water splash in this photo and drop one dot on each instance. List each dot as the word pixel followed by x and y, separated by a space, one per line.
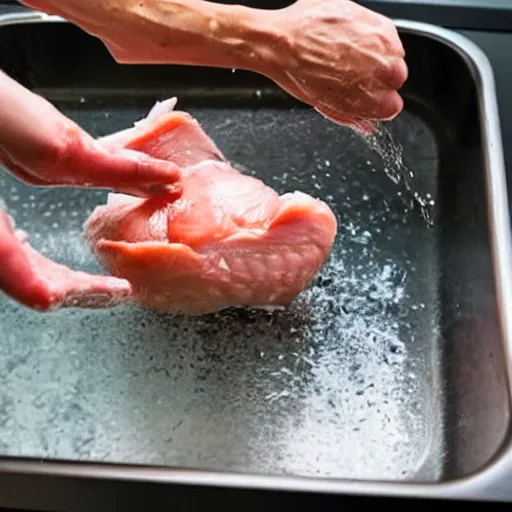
pixel 382 142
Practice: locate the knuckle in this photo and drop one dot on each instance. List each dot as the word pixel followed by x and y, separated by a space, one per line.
pixel 389 26
pixel 52 153
pixel 393 75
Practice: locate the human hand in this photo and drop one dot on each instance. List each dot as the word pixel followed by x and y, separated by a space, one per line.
pixel 335 55
pixel 39 283
pixel 341 58
pixel 43 147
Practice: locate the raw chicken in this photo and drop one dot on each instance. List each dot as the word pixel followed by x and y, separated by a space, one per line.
pixel 228 241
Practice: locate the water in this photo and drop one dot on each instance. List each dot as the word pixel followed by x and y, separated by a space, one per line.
pixel 391 152
pixel 341 384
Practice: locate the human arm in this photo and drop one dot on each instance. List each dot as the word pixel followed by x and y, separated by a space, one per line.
pixel 341 58
pixel 42 147
pixel 39 283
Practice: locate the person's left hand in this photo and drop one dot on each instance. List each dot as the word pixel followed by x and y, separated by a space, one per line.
pixel 39 283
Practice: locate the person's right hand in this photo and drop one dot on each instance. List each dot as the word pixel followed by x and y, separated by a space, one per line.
pixel 335 55
pixel 343 59
pixel 43 147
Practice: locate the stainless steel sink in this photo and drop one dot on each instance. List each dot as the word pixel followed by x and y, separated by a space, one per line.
pixel 390 375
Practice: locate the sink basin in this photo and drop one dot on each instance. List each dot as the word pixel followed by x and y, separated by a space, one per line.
pixel 391 374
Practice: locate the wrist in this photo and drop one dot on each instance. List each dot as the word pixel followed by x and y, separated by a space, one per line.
pixel 265 46
pixel 248 36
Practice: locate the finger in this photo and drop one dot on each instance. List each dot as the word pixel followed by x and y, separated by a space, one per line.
pixel 42 142
pixel 21 174
pixel 364 102
pixel 384 105
pixel 395 75
pixel 125 170
pixel 389 106
pixel 39 283
pixel 363 126
pixel 66 288
pixel 17 277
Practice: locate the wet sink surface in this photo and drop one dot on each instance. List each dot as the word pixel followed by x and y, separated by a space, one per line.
pixel 335 386
pixel 389 367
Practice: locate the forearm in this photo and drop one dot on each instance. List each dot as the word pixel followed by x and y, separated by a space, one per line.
pixel 335 55
pixel 204 33
pixel 29 124
pixel 193 32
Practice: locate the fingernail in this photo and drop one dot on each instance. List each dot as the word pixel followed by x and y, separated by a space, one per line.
pixel 174 191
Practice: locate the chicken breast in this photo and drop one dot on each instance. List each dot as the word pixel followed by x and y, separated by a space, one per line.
pixel 228 241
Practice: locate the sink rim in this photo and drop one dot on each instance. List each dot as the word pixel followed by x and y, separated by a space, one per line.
pixel 491 482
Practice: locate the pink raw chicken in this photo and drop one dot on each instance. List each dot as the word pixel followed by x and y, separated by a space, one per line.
pixel 228 241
